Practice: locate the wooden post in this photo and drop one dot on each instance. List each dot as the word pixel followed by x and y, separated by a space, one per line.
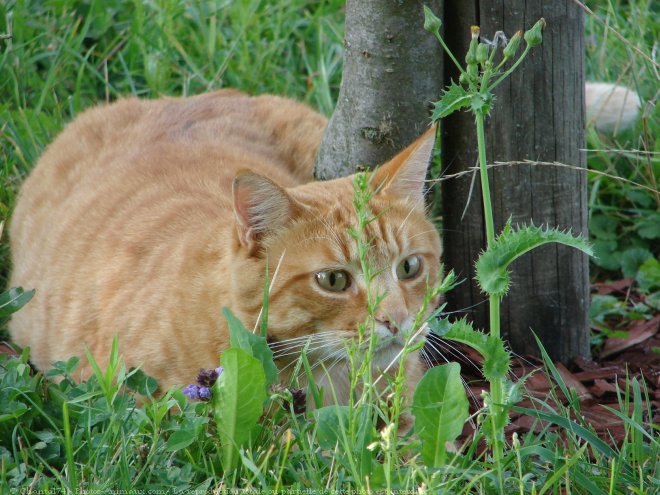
pixel 539 116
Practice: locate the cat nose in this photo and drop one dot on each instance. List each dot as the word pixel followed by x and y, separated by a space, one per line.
pixel 392 321
pixel 391 327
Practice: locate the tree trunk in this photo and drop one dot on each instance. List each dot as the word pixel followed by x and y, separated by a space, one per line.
pixel 392 70
pixel 538 115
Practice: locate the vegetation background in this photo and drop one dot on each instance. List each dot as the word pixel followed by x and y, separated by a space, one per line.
pixel 59 57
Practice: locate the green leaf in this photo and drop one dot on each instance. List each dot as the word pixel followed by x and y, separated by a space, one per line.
pixel 14 299
pixel 497 359
pixel 331 421
pixel 254 345
pixel 180 439
pixel 440 407
pixel 648 275
pixel 142 383
pixel 492 266
pixel 604 305
pixel 606 254
pixel 439 326
pixel 481 103
pixel 603 227
pixel 653 300
pixel 639 197
pixel 649 226
pixel 238 398
pixel 453 99
pixel 632 259
pixel 12 410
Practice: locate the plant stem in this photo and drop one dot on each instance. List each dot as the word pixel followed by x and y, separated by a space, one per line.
pixel 496 386
pixel 448 52
pixel 510 69
pixel 485 188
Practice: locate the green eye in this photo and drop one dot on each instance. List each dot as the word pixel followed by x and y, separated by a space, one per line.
pixel 333 280
pixel 409 267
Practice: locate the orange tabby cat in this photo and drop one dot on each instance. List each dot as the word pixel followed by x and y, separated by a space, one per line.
pixel 145 218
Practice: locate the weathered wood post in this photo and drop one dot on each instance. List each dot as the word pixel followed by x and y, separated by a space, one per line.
pixel 538 116
pixel 392 71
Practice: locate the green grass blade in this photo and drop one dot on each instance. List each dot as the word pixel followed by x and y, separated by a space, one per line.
pixel 68 446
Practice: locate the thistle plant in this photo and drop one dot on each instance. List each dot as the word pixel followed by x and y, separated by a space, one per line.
pixel 482 73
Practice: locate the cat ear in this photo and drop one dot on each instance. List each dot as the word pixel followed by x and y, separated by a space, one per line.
pixel 404 174
pixel 260 206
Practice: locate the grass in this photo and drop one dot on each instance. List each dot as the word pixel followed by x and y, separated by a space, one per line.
pixel 61 56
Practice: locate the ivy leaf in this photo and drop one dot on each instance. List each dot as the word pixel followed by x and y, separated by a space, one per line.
pixel 440 407
pixel 254 345
pixel 238 399
pixel 492 266
pixel 453 99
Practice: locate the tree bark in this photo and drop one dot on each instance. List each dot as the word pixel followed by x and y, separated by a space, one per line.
pixel 538 115
pixel 392 70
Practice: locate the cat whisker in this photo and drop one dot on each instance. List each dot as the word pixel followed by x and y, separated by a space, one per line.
pixel 467 308
pixel 337 355
pixel 303 339
pixel 316 364
pixel 444 345
pixel 285 352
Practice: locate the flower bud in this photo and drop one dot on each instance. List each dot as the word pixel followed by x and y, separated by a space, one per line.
pixel 432 22
pixel 534 36
pixel 512 47
pixel 482 53
pixel 471 56
pixel 463 78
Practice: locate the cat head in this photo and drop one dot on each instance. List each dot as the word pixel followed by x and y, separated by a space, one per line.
pixel 305 236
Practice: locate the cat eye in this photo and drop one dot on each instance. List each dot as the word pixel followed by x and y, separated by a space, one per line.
pixel 409 267
pixel 333 280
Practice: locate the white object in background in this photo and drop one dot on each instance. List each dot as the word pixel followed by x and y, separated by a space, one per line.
pixel 611 108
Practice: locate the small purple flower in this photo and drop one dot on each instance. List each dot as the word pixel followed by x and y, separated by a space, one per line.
pixel 192 392
pixel 206 378
pixel 204 393
pixel 205 381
